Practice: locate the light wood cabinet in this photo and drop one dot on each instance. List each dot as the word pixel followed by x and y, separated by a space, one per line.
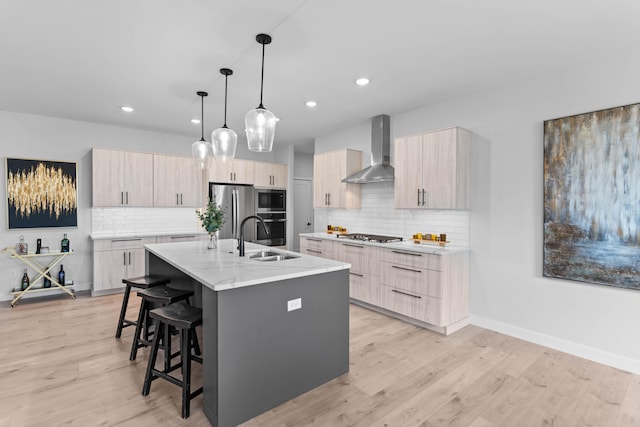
pixel 235 171
pixel 116 259
pixel 177 182
pixel 432 170
pixel 270 175
pixel 122 178
pixel 329 169
pixel 363 275
pixel 316 247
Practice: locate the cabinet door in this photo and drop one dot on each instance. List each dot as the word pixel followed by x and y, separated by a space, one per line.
pixel 439 174
pixel 243 171
pixel 363 259
pixel 335 169
pixel 319 186
pixel 190 179
pixel 263 174
pixel 108 177
pixel 138 179
pixel 408 172
pixel 135 262
pixel 166 185
pixel 109 268
pixel 280 175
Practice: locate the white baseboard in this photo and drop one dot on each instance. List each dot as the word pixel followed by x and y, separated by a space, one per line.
pixel 615 360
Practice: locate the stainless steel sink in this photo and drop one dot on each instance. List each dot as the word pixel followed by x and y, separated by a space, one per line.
pixel 271 256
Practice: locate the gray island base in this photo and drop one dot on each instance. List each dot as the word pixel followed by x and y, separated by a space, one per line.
pixel 259 348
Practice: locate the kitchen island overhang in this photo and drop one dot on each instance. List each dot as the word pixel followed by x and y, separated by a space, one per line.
pixel 271 330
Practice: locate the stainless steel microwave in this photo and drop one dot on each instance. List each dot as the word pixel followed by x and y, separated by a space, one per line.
pixel 271 200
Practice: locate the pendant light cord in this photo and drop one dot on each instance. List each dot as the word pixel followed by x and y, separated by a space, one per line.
pixel 202 118
pixel 262 79
pixel 226 77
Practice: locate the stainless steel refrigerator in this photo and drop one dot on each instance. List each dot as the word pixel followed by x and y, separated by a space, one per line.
pixel 238 202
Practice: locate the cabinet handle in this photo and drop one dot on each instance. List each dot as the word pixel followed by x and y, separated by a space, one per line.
pixel 407 269
pixel 314 240
pixel 177 199
pixel 183 237
pixel 125 240
pixel 316 252
pixel 406 253
pixel 424 197
pixel 356 274
pixel 129 258
pixel 329 199
pixel 404 293
pixel 124 258
pixel 181 198
pixel 127 197
pixel 122 197
pixel 418 197
pixel 353 246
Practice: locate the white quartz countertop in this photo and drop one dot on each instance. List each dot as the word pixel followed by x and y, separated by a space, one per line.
pixel 405 245
pixel 222 269
pixel 136 235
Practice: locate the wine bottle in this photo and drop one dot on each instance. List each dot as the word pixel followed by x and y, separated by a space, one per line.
pixel 64 244
pixel 61 275
pixel 38 245
pixel 46 282
pixel 25 280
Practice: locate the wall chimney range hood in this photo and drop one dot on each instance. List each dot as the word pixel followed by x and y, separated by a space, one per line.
pixel 380 170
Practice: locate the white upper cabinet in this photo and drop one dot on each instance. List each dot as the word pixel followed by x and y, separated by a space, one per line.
pixel 177 181
pixel 432 170
pixel 122 178
pixel 329 169
pixel 270 175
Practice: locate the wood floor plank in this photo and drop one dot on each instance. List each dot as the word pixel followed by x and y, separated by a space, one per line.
pixel 61 365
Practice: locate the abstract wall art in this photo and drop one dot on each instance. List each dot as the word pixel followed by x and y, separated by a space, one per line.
pixel 592 197
pixel 41 193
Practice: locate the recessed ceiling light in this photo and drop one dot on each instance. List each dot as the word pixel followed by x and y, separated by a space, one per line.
pixel 311 104
pixel 362 81
pixel 126 109
pixel 195 121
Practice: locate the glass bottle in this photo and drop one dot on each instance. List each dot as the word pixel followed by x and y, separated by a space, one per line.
pixel 61 275
pixel 64 244
pixel 46 282
pixel 25 280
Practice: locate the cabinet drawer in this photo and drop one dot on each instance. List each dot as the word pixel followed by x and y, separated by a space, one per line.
pixel 363 258
pixel 364 287
pixel 415 280
pixel 316 247
pixel 313 252
pixel 313 243
pixel 412 259
pixel 119 244
pixel 420 307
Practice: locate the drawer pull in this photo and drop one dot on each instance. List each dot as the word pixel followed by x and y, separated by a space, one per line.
pixel 408 269
pixel 404 293
pixel 314 240
pixel 406 253
pixel 311 250
pixel 353 246
pixel 125 240
pixel 182 237
pixel 356 274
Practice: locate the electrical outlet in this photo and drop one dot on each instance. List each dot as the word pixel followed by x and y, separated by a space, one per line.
pixel 294 304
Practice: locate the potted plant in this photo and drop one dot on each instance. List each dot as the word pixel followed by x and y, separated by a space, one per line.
pixel 211 219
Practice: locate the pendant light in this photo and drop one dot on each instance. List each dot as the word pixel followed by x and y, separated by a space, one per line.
pixel 260 124
pixel 202 151
pixel 224 140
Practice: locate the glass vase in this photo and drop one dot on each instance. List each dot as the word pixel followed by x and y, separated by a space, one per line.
pixel 213 240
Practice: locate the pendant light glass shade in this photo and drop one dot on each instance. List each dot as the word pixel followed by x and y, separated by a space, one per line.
pixel 202 151
pixel 260 124
pixel 223 139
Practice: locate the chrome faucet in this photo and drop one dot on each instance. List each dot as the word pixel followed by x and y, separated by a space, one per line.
pixel 241 239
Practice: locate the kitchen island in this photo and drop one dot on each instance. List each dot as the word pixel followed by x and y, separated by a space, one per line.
pixel 272 330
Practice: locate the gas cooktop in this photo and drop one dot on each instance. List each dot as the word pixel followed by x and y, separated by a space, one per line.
pixel 374 238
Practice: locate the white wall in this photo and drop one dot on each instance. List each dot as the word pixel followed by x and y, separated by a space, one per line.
pixel 508 292
pixel 39 137
pixel 303 166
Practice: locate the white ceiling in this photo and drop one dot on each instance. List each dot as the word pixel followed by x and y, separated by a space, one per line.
pixel 81 59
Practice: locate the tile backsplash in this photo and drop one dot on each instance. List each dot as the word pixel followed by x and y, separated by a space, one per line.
pixel 134 220
pixel 378 216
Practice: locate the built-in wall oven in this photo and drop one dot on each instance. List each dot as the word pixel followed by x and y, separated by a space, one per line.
pixel 276 223
pixel 271 200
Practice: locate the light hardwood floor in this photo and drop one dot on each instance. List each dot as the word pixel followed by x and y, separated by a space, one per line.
pixel 61 365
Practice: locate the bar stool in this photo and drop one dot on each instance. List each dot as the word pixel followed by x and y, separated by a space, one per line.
pixel 151 298
pixel 184 318
pixel 141 282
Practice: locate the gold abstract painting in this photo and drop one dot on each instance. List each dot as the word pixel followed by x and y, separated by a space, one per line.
pixel 592 197
pixel 41 193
